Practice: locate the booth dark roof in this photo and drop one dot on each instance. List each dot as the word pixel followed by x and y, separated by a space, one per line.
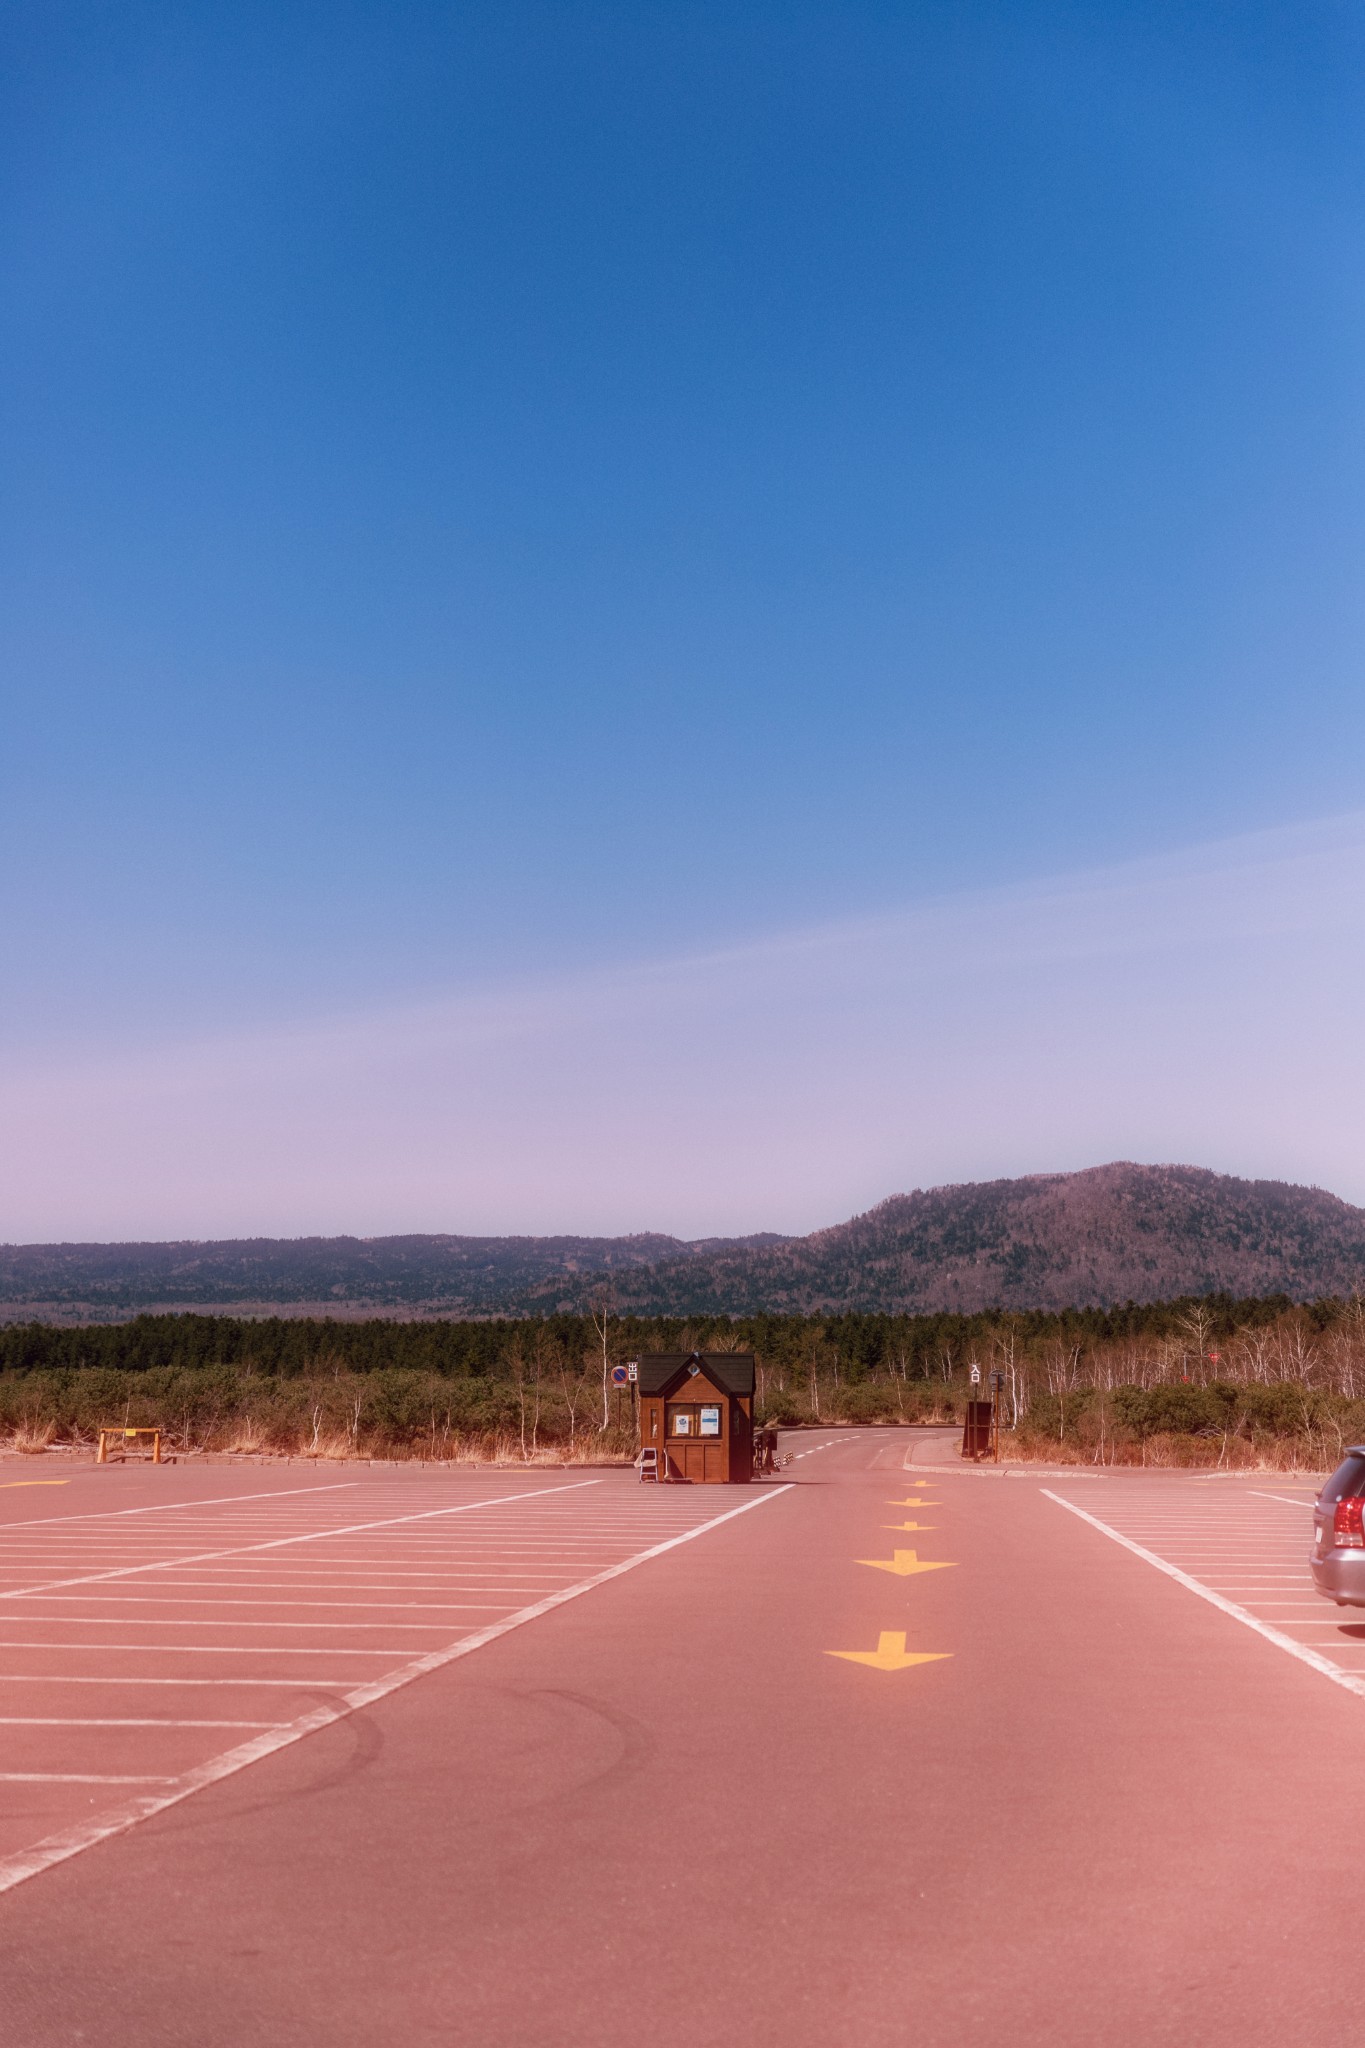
pixel 731 1371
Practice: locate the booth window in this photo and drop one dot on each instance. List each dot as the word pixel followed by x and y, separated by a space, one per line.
pixel 690 1418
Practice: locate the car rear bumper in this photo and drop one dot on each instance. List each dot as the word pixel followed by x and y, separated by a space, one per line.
pixel 1340 1575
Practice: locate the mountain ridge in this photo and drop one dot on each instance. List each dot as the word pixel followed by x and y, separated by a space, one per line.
pixel 1103 1236
pixel 1097 1237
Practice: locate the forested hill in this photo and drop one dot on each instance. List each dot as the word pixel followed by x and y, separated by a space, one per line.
pixel 402 1275
pixel 1109 1235
pixel 1065 1240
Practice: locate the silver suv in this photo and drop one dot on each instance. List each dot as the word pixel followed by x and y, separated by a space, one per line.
pixel 1338 1560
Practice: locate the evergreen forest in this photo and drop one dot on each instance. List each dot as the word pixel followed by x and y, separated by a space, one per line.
pixel 1197 1380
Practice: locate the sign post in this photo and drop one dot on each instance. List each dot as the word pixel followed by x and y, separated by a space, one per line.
pixel 997 1391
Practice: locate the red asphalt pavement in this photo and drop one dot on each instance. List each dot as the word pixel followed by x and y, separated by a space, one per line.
pixel 581 1768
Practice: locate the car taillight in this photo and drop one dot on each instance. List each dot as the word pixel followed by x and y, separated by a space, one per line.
pixel 1348 1525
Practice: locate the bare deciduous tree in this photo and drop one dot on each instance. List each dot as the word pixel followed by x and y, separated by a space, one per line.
pixel 600 1311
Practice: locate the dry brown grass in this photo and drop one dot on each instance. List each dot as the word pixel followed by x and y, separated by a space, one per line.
pixel 31 1439
pixel 336 1447
pixel 1172 1454
pixel 248 1439
pixel 245 1440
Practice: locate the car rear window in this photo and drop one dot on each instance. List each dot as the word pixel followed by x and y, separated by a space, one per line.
pixel 1347 1481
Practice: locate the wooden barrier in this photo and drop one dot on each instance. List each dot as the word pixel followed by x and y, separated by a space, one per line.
pixel 117 1443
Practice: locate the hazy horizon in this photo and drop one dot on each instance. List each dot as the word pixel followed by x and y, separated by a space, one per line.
pixel 822 1063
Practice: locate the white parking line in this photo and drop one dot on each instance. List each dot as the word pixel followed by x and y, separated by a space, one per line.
pixel 89 1721
pixel 240 1621
pixel 141 1682
pixel 27 1863
pixel 1271 1634
pixel 284 1542
pixel 166 1507
pixel 345 1606
pixel 74 1778
pixel 207 1649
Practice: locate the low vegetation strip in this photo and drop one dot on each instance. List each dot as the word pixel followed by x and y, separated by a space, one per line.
pixel 1190 1382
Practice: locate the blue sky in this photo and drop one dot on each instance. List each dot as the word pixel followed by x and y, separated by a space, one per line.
pixel 499 500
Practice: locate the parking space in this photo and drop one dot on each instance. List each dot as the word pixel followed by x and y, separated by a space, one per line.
pixel 1243 1545
pixel 150 1649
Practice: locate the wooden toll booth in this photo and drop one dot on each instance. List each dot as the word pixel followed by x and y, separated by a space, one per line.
pixel 697 1413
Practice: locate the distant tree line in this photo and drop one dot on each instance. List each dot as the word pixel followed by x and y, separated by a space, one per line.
pixel 859 1345
pixel 1138 1383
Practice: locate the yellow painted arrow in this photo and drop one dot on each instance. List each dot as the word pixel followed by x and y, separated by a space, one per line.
pixel 916 1502
pixel 898 1528
pixel 904 1563
pixel 891 1653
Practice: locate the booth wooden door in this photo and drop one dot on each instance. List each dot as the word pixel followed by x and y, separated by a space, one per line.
pixel 705 1463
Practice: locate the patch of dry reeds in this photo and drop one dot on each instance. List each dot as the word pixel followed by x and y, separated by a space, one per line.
pixel 31 1439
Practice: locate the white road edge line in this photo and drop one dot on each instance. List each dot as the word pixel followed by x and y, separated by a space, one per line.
pixel 15 1870
pixel 1272 1635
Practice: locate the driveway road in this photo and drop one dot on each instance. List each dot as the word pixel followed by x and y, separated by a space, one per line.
pixel 1120 1801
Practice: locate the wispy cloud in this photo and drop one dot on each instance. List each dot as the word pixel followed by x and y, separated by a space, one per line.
pixel 1203 1006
